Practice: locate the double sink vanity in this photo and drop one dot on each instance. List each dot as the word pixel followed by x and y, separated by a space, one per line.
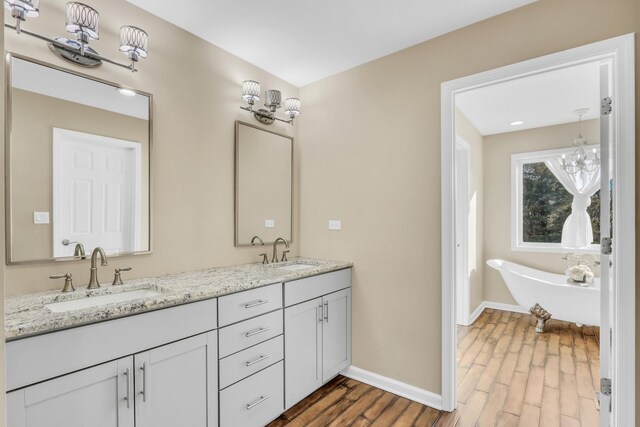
pixel 230 346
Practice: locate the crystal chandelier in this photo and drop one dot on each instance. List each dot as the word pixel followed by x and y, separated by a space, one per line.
pixel 581 161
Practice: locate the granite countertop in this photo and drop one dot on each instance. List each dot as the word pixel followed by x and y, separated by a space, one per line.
pixel 27 315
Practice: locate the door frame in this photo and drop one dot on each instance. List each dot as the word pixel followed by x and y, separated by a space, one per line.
pixel 462 174
pixel 61 136
pixel 620 50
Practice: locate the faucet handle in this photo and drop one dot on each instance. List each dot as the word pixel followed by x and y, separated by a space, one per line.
pixel 284 255
pixel 265 260
pixel 117 278
pixel 68 283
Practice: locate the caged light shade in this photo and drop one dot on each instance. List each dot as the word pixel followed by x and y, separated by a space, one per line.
pixel 251 91
pixel 272 99
pixel 134 42
pixel 292 107
pixel 83 21
pixel 23 8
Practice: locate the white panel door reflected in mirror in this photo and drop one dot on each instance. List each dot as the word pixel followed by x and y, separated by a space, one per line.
pixel 96 193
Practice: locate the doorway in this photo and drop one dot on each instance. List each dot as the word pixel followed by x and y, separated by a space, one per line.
pixel 617 363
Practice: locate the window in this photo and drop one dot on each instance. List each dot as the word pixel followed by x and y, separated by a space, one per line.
pixel 541 204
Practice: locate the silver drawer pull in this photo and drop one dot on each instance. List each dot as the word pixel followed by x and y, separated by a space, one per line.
pixel 258 360
pixel 256 303
pixel 256 403
pixel 143 368
pixel 256 332
pixel 127 373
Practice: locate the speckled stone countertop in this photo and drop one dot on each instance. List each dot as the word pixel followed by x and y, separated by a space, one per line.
pixel 27 315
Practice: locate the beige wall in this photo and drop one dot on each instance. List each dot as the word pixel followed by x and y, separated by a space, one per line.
pixel 196 89
pixel 497 203
pixel 370 155
pixel 468 132
pixel 32 163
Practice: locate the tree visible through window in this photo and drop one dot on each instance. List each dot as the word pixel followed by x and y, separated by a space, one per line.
pixel 546 204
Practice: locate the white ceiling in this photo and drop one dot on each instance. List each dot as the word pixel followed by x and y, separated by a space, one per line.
pixel 305 41
pixel 58 84
pixel 540 100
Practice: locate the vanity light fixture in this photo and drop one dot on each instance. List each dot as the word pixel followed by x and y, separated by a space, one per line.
pixel 580 161
pixel 22 9
pixel 272 100
pixel 82 21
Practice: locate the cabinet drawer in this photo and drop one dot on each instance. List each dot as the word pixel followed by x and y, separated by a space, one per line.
pixel 312 287
pixel 249 361
pixel 255 401
pixel 250 332
pixel 244 305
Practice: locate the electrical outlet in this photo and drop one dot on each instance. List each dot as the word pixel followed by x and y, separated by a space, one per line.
pixel 335 224
pixel 41 217
pixel 269 223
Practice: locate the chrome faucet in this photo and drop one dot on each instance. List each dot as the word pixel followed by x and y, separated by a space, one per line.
pixel 274 258
pixel 254 238
pixel 79 251
pixel 93 280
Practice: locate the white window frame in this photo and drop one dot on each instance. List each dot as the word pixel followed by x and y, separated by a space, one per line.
pixel 517 229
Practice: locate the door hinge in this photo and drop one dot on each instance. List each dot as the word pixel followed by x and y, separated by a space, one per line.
pixel 606 244
pixel 605 106
pixel 605 386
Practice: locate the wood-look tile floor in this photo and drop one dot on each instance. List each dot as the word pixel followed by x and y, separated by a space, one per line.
pixel 508 375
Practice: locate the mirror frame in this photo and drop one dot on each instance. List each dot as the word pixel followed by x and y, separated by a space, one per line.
pixel 7 160
pixel 235 181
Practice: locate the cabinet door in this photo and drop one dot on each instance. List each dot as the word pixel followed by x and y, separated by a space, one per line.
pixel 336 333
pixel 101 396
pixel 302 350
pixel 176 384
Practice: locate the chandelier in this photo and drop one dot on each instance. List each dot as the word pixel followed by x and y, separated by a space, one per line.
pixel 581 161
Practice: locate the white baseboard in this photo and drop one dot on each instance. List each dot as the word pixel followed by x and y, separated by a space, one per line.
pixel 496 306
pixel 396 387
pixel 476 313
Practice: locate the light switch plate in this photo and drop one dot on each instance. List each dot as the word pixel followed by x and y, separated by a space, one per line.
pixel 269 223
pixel 41 217
pixel 335 224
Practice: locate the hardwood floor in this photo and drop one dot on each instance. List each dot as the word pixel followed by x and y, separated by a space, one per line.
pixel 508 375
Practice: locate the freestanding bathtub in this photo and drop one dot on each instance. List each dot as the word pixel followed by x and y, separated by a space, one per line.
pixel 567 302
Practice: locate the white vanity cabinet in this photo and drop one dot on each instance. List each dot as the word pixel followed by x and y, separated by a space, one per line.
pixel 101 396
pixel 168 386
pixel 317 328
pixel 175 384
pixel 163 378
pixel 251 351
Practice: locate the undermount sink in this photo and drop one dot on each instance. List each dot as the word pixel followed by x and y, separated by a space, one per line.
pixel 96 301
pixel 296 267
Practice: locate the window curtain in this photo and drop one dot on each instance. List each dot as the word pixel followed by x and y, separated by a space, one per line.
pixel 576 231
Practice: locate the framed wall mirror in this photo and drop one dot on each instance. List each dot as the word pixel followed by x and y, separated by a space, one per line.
pixel 264 185
pixel 78 165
